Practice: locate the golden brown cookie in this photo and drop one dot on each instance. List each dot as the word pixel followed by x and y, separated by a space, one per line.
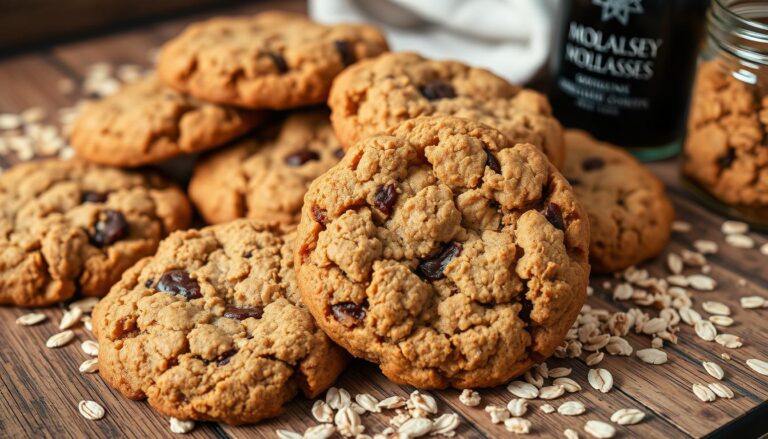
pixel 146 122
pixel 73 227
pixel 376 94
pixel 210 327
pixel 271 60
pixel 265 178
pixel 726 148
pixel 630 215
pixel 445 253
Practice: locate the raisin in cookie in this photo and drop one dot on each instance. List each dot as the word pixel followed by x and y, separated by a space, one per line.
pixel 210 327
pixel 630 215
pixel 726 148
pixel 266 178
pixel 270 60
pixel 146 122
pixel 445 253
pixel 72 227
pixel 375 94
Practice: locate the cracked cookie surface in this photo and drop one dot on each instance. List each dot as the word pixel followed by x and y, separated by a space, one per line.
pixel 70 226
pixel 210 327
pixel 726 146
pixel 445 253
pixel 146 122
pixel 266 177
pixel 271 60
pixel 630 215
pixel 376 94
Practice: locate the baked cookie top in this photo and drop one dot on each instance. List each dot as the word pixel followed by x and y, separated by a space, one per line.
pixel 70 226
pixel 376 94
pixel 271 60
pixel 630 215
pixel 146 122
pixel 210 327
pixel 266 177
pixel 445 253
pixel 726 148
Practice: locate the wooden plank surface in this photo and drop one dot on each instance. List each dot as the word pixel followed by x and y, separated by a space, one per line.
pixel 40 387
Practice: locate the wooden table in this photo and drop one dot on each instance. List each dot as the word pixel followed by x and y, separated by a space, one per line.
pixel 40 388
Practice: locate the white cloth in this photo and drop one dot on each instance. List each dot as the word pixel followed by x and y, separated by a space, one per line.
pixel 510 37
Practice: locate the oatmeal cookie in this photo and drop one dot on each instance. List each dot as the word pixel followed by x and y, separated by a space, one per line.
pixel 444 252
pixel 210 327
pixel 376 94
pixel 73 227
pixel 271 60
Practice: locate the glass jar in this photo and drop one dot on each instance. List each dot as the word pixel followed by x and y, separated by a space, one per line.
pixel 725 153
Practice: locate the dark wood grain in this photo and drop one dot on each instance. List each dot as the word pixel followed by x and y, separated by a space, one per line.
pixel 40 387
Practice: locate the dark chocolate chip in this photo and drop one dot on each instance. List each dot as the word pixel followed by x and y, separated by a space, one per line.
pixel 233 312
pixel 385 198
pixel 247 254
pixel 437 89
pixel 298 158
pixel 492 162
pixel 178 282
pixel 148 283
pixel 348 314
pixel 432 268
pixel 554 215
pixel 93 197
pixel 592 163
pixel 727 160
pixel 279 61
pixel 574 182
pixel 110 228
pixel 345 52
pixel 339 153
pixel 320 215
pixel 223 359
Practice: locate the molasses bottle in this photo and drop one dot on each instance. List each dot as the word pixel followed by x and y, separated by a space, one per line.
pixel 623 69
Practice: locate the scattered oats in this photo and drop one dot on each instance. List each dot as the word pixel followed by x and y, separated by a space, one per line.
pixel 394 402
pixel 678 280
pixel 571 408
pixel 724 321
pixel 91 410
pixel 725 356
pixel 521 389
pixel 285 434
pixel 740 241
pixel 619 346
pixel 714 369
pixel 321 412
pixel 730 227
pixel 729 341
pixel 322 431
pixel 9 121
pixel 721 390
pixel 654 325
pixel 606 285
pixel 90 347
pixel 657 343
pixel 89 366
pixel 748 302
pixel 689 315
pixel 70 318
pixel 357 408
pixel 559 372
pixel 758 366
pixel 701 282
pixel 85 304
pixel 368 402
pixel 568 384
pixel 705 330
pixel 627 416
pixel 87 323
pixel 599 429
pixel 716 308
pixel 517 407
pixel 674 263
pixel 703 392
pixel 652 356
pixel 692 258
pixel 623 291
pixel 445 424
pixel 469 398
pixel 571 433
pixel 594 358
pixel 33 115
pixel 704 246
pixel 670 315
pixel 590 291
pixel 348 422
pixel 422 402
pixel 681 227
pixel 60 339
pixel 542 370
pixel 547 408
pixel 764 249
pixel 31 319
pixel 337 398
pixel 181 427
pixel 518 425
pixel 600 379
pixel 551 392
pixel 399 419
pixel 534 378
pixel 498 414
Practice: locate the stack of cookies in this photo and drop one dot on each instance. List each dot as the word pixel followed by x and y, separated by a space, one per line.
pixel 421 222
